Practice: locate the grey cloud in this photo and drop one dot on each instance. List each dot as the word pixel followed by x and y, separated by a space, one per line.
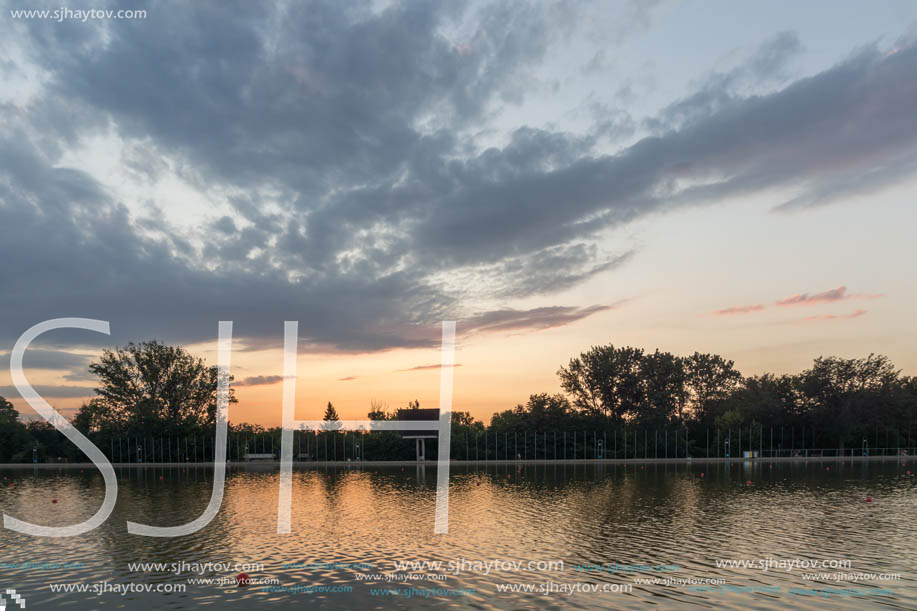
pixel 75 366
pixel 536 318
pixel 766 66
pixel 259 381
pixel 51 392
pixel 360 121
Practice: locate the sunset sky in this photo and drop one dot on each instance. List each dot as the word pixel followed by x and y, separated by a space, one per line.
pixel 728 177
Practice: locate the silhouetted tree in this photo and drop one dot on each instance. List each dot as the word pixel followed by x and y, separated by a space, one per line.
pixel 604 381
pixel 149 384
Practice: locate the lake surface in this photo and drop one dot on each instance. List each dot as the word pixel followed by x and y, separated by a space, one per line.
pixel 633 514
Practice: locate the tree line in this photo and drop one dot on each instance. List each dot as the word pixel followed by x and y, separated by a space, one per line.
pixel 154 391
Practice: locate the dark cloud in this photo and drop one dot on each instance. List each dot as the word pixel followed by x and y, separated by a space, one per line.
pixel 75 367
pixel 343 139
pixel 51 392
pixel 528 320
pixel 259 381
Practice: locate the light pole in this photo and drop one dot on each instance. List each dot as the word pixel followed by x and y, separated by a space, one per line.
pixel 35 454
pixel 139 453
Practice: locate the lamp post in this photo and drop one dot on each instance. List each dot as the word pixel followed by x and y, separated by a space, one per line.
pixel 35 454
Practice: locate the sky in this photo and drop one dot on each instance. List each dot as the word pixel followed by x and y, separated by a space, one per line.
pixel 727 177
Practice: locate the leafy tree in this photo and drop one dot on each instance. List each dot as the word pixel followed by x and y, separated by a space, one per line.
pixel 462 419
pixel 92 417
pixel 709 378
pixel 604 381
pixel 842 394
pixel 142 385
pixel 541 412
pixel 7 411
pixel 664 389
pixel 15 443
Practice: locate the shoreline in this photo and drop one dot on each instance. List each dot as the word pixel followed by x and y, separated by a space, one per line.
pixel 275 464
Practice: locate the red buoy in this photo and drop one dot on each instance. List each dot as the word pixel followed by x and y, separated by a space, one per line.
pixel 908 473
pixel 748 483
pixel 701 473
pixel 827 468
pixel 160 478
pixel 53 500
pixel 242 580
pixel 868 500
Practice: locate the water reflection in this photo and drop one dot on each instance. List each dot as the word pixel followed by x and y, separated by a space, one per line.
pixel 688 515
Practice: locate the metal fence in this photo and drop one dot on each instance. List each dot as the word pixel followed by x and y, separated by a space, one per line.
pixel 630 443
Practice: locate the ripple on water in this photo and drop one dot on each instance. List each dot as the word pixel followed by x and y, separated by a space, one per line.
pixel 582 514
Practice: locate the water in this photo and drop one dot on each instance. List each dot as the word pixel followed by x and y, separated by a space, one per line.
pixel 654 514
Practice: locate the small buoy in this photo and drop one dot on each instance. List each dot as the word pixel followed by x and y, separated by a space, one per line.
pixel 908 473
pixel 11 485
pixel 160 478
pixel 868 500
pixel 748 483
pixel 701 473
pixel 242 580
pixel 53 500
pixel 479 483
pixel 508 476
pixel 827 468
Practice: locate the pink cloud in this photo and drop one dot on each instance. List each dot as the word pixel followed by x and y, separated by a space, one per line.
pixel 831 296
pixel 738 310
pixel 424 367
pixel 854 314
